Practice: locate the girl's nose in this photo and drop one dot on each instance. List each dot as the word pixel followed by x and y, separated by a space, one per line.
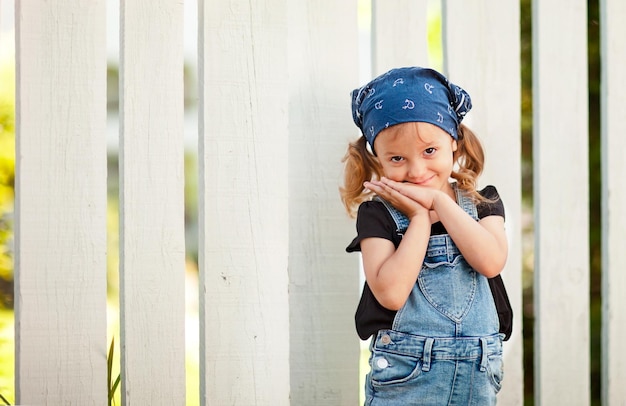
pixel 417 170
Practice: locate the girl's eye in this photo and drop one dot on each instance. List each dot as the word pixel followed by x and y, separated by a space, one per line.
pixel 396 158
pixel 429 151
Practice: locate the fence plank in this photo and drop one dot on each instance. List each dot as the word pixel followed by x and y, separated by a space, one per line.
pixel 489 68
pixel 60 263
pixel 324 281
pixel 613 198
pixel 560 150
pixel 152 257
pixel 392 23
pixel 244 239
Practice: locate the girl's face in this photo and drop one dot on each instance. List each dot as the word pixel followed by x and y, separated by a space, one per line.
pixel 419 153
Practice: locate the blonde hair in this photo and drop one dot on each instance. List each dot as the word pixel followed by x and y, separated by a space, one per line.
pixel 361 165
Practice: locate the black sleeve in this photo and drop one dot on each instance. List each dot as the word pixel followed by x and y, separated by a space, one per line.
pixel 494 207
pixel 501 299
pixel 373 220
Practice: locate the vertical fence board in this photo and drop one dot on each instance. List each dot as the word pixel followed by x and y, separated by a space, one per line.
pixel 244 312
pixel 489 69
pixel 152 257
pixel 323 70
pixel 613 198
pixel 60 263
pixel 560 150
pixel 399 34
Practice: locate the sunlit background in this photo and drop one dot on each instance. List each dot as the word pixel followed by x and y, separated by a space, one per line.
pixel 7 165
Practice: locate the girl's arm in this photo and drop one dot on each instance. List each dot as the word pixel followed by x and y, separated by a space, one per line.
pixel 391 273
pixel 483 244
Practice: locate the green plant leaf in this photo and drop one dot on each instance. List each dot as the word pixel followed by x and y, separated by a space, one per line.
pixel 115 385
pixel 111 388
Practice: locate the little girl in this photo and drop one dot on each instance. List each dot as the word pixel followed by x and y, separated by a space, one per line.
pixel 428 245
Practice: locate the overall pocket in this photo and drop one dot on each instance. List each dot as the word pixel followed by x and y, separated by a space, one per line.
pixel 450 287
pixel 496 371
pixel 388 368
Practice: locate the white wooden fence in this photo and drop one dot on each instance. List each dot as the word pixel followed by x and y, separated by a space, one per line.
pixel 277 291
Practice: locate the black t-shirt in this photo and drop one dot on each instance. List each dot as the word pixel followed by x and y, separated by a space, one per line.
pixel 374 220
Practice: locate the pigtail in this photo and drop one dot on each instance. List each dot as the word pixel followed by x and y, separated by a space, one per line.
pixel 359 166
pixel 471 160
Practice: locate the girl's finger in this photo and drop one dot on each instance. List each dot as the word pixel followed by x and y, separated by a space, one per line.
pixel 388 181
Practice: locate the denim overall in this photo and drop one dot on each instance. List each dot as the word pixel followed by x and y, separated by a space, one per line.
pixel 444 347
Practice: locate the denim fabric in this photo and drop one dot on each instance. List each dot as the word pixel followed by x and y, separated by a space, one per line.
pixel 429 371
pixel 444 347
pixel 402 221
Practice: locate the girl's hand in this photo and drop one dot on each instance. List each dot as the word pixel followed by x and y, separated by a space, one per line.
pixel 405 203
pixel 425 196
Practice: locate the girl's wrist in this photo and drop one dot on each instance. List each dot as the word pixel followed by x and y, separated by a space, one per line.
pixel 420 214
pixel 437 198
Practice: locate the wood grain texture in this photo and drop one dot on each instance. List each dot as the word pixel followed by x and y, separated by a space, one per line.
pixel 60 263
pixel 399 34
pixel 561 202
pixel 613 196
pixel 152 253
pixel 244 233
pixel 324 279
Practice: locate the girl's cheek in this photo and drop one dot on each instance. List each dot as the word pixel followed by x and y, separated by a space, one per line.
pixel 387 173
pixel 396 176
pixel 396 173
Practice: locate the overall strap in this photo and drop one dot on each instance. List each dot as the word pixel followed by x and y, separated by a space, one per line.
pixel 465 201
pixel 402 221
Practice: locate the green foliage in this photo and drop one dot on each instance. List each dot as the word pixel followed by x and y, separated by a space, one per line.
pixel 7 179
pixel 111 386
pixel 7 356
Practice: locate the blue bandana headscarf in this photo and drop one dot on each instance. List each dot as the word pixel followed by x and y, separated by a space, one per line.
pixel 405 95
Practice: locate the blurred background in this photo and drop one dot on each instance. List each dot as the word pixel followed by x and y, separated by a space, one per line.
pixel 7 176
